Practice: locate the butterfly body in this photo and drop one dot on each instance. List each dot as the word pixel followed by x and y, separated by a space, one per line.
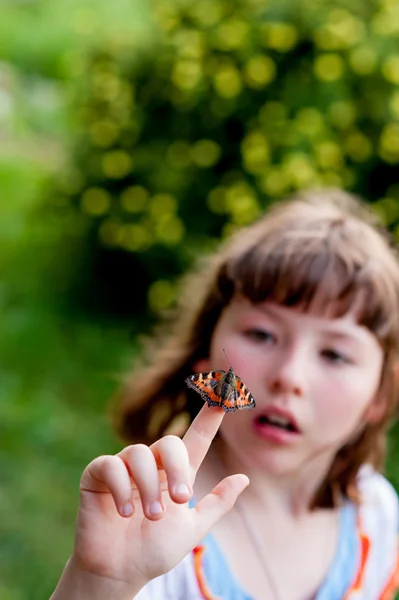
pixel 223 389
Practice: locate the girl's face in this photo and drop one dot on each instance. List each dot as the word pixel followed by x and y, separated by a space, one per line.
pixel 314 379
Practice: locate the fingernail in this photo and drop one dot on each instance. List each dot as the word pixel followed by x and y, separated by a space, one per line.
pixel 127 509
pixel 155 508
pixel 182 489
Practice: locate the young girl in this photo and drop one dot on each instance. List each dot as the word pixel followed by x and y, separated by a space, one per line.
pixel 304 306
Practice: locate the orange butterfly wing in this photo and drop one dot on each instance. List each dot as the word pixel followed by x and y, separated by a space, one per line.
pixel 205 384
pixel 223 389
pixel 244 398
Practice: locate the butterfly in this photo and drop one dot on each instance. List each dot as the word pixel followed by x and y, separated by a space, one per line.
pixel 222 388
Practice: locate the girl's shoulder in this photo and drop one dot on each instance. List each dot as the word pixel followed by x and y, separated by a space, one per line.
pixel 378 499
pixel 378 526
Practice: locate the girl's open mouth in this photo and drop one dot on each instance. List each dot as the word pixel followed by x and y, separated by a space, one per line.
pixel 277 421
pixel 277 426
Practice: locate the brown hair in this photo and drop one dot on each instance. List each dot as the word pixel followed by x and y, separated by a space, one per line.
pixel 321 246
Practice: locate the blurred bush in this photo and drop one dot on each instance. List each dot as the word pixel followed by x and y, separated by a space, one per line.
pixel 233 105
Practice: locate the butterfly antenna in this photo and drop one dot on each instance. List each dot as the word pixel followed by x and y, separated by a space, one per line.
pixel 227 356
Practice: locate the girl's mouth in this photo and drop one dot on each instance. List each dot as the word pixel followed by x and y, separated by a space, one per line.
pixel 277 426
pixel 278 421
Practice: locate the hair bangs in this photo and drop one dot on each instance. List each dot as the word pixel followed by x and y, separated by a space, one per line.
pixel 329 275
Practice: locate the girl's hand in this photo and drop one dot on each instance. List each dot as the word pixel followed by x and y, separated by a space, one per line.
pixel 134 522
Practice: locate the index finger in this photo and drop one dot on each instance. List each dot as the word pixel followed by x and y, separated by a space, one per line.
pixel 201 432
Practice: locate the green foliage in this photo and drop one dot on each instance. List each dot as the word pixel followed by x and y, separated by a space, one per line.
pixel 57 370
pixel 232 106
pixel 53 422
pixel 58 373
pixel 48 38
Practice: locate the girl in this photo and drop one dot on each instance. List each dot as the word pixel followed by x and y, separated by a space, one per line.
pixel 304 305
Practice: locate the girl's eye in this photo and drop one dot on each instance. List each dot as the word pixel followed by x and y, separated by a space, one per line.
pixel 260 335
pixel 335 357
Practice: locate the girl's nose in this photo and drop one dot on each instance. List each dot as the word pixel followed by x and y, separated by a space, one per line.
pixel 288 377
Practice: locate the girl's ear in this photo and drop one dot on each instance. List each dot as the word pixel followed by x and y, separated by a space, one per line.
pixel 202 365
pixel 376 411
pixel 396 372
